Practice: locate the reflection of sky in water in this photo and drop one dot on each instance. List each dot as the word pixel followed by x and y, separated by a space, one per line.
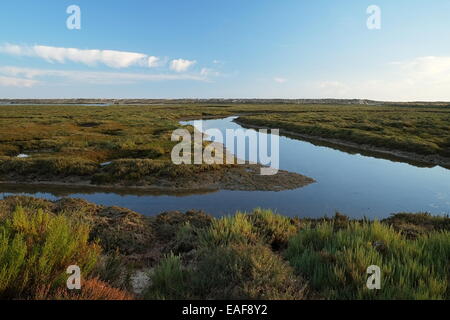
pixel 356 185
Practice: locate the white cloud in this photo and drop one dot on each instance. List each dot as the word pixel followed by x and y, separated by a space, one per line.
pixel 422 78
pixel 111 58
pixel 207 72
pixel 280 80
pixel 16 82
pixel 13 49
pixel 153 62
pixel 181 65
pixel 333 88
pixel 29 75
pixel 436 69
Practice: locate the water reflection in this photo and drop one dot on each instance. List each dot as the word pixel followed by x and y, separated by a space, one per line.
pixel 355 183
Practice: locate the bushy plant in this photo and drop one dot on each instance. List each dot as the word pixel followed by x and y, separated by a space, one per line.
pixel 229 258
pixel 225 231
pixel 260 226
pixel 144 170
pixel 335 261
pixel 169 280
pixel 37 247
pixel 413 225
pixel 92 289
pixel 48 167
pixel 274 229
pixel 242 271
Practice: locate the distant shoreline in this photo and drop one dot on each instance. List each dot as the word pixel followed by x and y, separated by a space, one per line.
pixel 106 102
pixel 432 160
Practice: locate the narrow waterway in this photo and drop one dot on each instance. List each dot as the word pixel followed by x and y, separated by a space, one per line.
pixel 351 183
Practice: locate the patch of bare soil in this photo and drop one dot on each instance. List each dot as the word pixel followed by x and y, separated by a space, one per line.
pixel 237 177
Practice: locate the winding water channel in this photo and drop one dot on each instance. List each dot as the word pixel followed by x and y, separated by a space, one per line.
pixel 352 183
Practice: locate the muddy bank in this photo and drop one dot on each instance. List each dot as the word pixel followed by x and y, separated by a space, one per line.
pixel 365 149
pixel 237 177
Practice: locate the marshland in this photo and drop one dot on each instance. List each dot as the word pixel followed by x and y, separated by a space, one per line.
pixel 359 185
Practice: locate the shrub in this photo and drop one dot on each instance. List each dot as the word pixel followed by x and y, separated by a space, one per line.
pixel 231 272
pixel 37 247
pixel 413 225
pixel 186 239
pixel 244 272
pixel 92 289
pixel 274 229
pixel 179 232
pixel 261 226
pixel 169 280
pixel 144 170
pixel 48 167
pixel 235 229
pixel 229 258
pixel 335 261
pixel 114 270
pixel 122 229
pixel 167 225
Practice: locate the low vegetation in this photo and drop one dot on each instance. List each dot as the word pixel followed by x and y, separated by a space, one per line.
pixel 36 247
pixel 233 259
pixel 335 261
pixel 125 143
pixel 418 129
pixel 256 255
pixel 102 145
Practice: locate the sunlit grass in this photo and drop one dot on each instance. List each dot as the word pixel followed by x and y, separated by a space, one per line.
pixel 88 135
pixel 35 250
pixel 335 261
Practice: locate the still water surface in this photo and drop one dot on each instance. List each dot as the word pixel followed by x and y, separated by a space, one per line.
pixel 355 184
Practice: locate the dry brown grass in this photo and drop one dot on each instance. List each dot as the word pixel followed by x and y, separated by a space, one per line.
pixel 92 289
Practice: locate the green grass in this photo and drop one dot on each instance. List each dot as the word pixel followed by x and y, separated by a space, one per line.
pixel 72 141
pixel 274 229
pixel 48 167
pixel 413 225
pixel 169 280
pixel 35 250
pixel 255 255
pixel 241 271
pixel 335 261
pixel 236 229
pixel 423 130
pixel 147 170
pixel 232 259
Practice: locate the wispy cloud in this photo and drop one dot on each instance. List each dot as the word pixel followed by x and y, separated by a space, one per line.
pixel 333 88
pixel 29 76
pixel 431 68
pixel 17 82
pixel 421 78
pixel 280 80
pixel 181 65
pixel 110 58
pixel 209 72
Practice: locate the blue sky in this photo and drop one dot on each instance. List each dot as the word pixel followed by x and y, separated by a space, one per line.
pixel 225 49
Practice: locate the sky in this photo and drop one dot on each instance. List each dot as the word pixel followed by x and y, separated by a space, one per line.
pixel 225 49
